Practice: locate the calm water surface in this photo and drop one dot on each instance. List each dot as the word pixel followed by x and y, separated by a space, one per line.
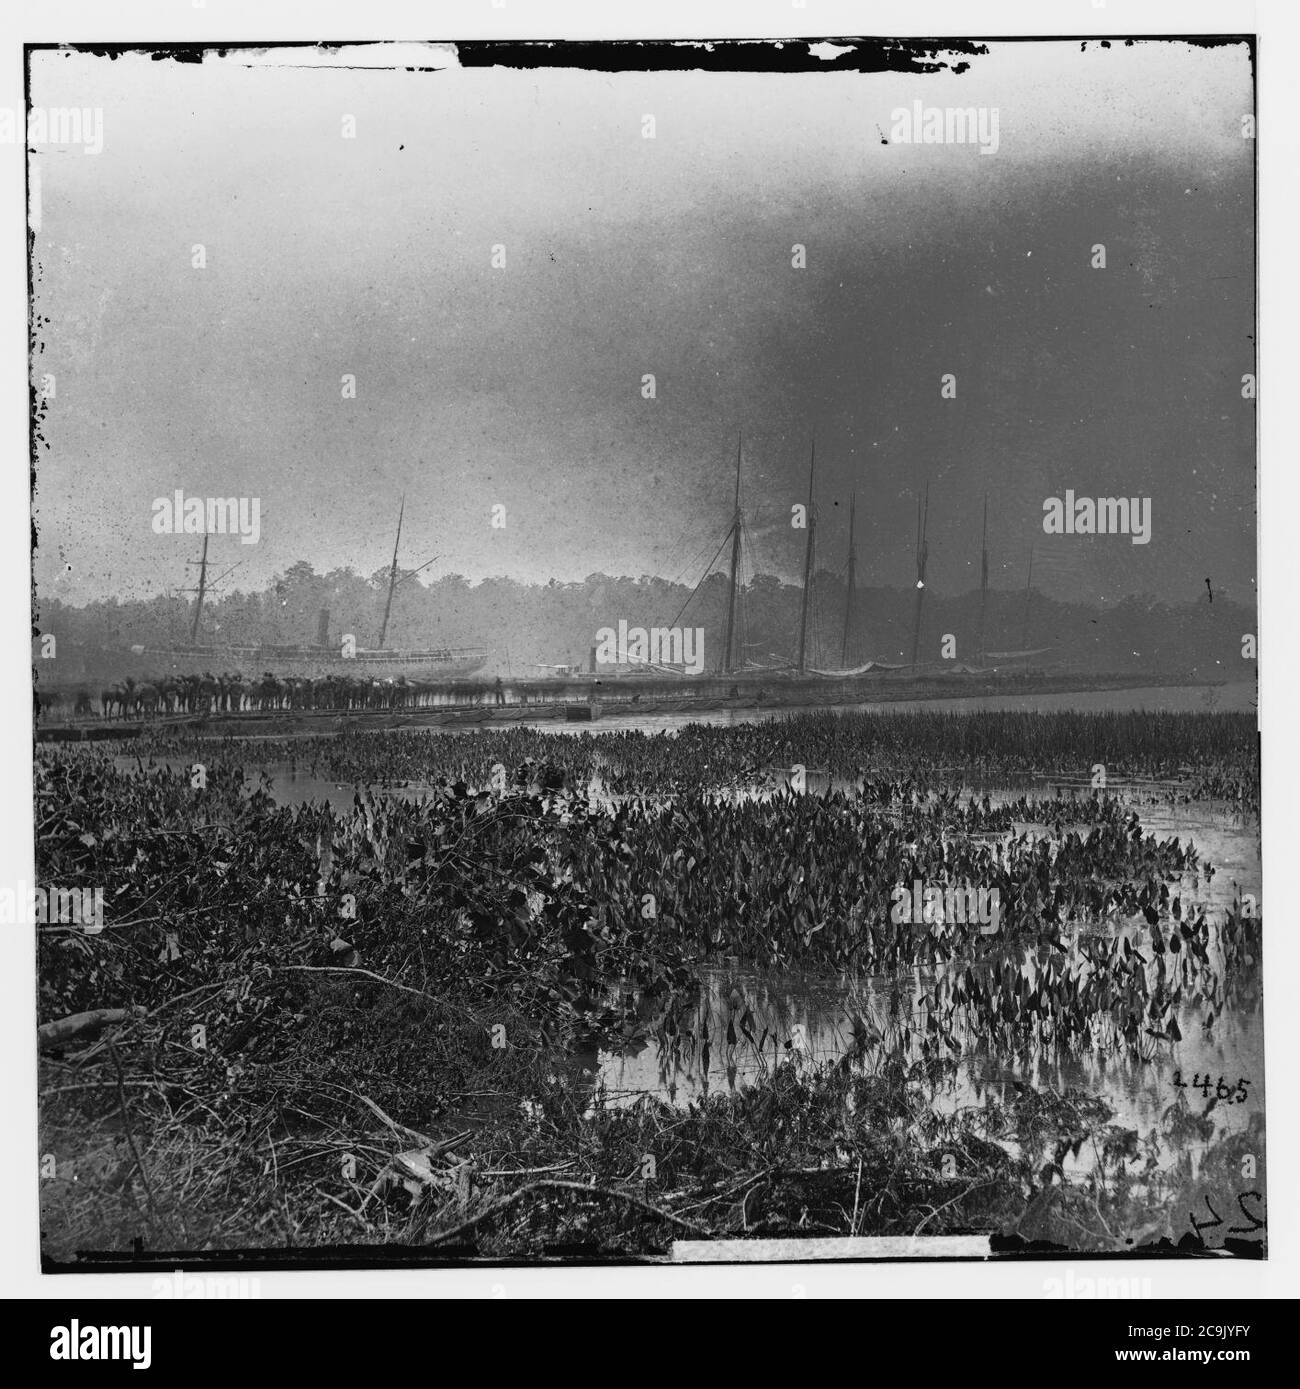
pixel 1138 1089
pixel 817 1008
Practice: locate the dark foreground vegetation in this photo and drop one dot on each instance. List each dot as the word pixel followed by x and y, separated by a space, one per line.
pixel 300 1028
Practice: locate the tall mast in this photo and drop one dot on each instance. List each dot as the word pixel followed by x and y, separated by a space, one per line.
pixel 984 578
pixel 392 575
pixel 922 554
pixel 1024 636
pixel 807 561
pixel 203 588
pixel 852 577
pixel 727 664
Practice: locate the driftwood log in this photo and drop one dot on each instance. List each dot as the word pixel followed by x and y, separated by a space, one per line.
pixel 82 1026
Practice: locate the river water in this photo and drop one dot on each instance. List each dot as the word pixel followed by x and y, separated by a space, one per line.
pixel 814 1011
pixel 1139 1091
pixel 817 1011
pixel 1234 697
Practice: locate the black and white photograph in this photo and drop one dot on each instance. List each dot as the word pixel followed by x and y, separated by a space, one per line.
pixel 645 653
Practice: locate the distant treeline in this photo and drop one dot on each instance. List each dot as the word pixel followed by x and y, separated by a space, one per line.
pixel 556 623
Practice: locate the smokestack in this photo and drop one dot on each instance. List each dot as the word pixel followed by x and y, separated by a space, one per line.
pixel 323 628
pixel 591 659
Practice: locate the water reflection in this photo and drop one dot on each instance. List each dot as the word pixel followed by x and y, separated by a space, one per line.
pixel 744 1022
pixel 827 1018
pixel 705 1050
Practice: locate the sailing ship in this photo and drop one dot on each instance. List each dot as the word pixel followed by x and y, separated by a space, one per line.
pixel 799 667
pixel 986 662
pixel 314 660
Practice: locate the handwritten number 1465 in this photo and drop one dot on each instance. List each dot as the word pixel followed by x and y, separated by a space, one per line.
pixel 1224 1093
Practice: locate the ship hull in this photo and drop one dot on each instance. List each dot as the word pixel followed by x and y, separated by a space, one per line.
pixel 307 663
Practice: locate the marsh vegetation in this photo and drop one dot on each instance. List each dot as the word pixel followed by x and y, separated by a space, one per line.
pixel 511 992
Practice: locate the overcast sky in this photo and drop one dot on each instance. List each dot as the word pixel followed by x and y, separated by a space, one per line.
pixel 522 386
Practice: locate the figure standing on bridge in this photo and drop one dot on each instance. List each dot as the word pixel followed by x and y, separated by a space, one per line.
pixel 498 691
